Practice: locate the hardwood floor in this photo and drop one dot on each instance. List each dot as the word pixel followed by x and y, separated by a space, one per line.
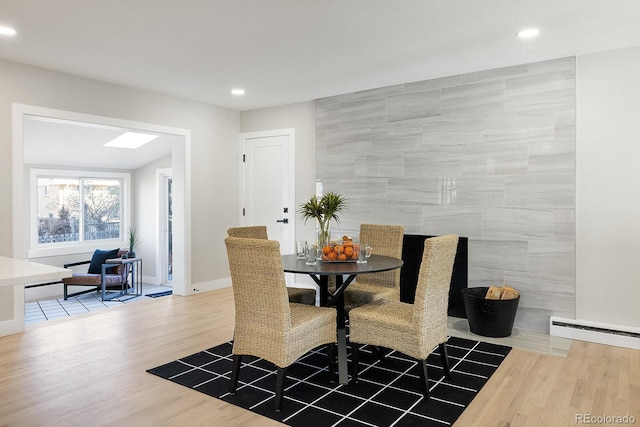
pixel 90 370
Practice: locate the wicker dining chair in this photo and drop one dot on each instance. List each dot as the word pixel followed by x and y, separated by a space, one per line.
pixel 385 240
pixel 412 329
pixel 267 325
pixel 300 295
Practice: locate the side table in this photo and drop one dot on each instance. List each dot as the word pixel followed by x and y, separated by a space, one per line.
pixel 135 269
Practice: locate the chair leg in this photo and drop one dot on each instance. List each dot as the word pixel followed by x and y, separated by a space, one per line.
pixel 444 357
pixel 65 293
pixel 380 352
pixel 331 354
pixel 235 371
pixel 355 355
pixel 280 388
pixel 424 378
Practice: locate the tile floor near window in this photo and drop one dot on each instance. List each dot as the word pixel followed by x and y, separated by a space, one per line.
pixel 40 311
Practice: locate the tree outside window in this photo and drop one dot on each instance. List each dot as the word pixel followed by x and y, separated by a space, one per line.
pixel 60 218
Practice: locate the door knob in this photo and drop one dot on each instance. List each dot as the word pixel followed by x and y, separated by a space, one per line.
pixel 283 220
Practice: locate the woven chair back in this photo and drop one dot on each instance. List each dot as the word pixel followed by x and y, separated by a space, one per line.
pixel 252 232
pixel 259 287
pixel 385 240
pixel 432 290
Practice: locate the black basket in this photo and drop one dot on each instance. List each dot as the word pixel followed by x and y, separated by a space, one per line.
pixel 489 317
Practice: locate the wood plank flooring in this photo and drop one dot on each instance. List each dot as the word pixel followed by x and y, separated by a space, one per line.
pixel 90 370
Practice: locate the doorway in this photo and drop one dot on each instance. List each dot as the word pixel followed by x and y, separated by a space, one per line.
pixel 181 173
pixel 165 232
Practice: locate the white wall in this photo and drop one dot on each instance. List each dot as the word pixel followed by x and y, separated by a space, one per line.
pixel 146 216
pixel 608 187
pixel 301 117
pixel 214 135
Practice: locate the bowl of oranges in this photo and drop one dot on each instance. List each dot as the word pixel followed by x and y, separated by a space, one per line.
pixel 341 251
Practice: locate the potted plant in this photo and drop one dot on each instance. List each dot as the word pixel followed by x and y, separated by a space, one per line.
pixel 323 209
pixel 133 241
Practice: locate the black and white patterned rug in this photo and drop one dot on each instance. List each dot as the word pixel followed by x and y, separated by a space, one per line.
pixel 385 395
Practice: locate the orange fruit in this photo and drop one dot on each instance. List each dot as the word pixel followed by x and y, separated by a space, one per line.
pixel 342 257
pixel 332 256
pixel 348 251
pixel 326 250
pixel 338 249
pixel 347 243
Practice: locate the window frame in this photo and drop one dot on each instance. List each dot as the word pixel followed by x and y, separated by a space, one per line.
pixel 39 250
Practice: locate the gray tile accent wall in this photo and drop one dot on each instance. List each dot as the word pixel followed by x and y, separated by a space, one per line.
pixel 488 155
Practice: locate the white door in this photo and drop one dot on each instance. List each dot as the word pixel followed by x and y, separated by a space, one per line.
pixel 268 185
pixel 164 256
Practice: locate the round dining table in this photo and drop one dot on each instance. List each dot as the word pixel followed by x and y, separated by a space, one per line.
pixel 320 273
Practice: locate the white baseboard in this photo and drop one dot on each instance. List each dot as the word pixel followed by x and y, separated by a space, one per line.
pixel 211 285
pixel 603 333
pixel 151 280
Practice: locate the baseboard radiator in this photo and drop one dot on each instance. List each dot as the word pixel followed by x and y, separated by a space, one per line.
pixel 603 333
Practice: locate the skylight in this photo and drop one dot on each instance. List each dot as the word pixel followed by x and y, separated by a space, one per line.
pixel 131 140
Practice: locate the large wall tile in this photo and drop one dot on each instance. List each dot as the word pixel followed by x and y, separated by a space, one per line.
pixel 546 191
pixel 433 161
pixel 380 92
pixel 544 67
pixel 413 192
pixel 565 122
pixel 485 277
pixel 327 116
pixel 352 140
pixel 520 224
pixel 505 255
pixel 554 156
pixel 408 216
pixel 473 98
pixel 466 222
pixel 495 74
pixel 500 158
pixel 398 136
pixel 359 192
pixel 383 165
pixel 413 105
pixel 361 113
pixel 565 225
pixel 488 155
pixel 481 190
pixel 428 85
pixel 555 258
pixel 453 131
pixel 523 125
pixel 541 89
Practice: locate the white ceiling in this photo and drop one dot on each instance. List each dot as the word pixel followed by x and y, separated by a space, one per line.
pixel 285 51
pixel 81 145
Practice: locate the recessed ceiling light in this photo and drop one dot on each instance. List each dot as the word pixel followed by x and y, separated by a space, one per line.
pixel 7 31
pixel 131 140
pixel 237 91
pixel 528 33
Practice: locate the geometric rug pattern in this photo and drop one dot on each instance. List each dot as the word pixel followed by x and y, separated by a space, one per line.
pixel 385 395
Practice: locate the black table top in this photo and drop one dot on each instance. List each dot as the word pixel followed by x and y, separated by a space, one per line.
pixel 374 264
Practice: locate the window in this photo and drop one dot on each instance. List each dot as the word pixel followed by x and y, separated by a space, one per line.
pixel 76 211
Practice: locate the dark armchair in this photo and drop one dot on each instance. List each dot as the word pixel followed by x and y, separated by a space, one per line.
pixel 115 277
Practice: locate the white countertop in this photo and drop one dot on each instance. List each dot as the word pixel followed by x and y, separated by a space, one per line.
pixel 16 272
